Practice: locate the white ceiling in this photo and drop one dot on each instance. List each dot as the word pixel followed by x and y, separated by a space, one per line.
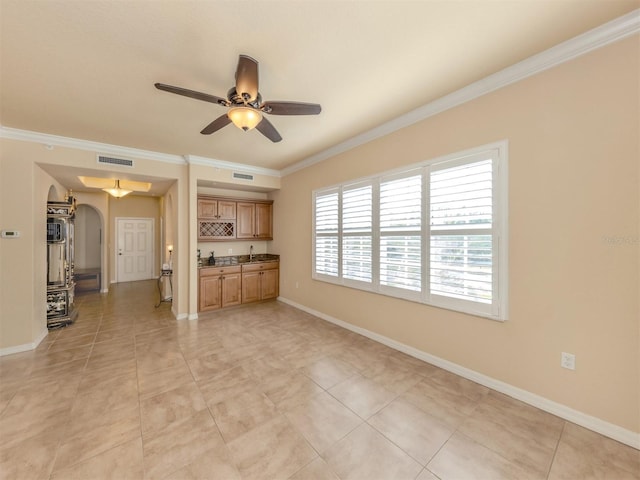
pixel 86 69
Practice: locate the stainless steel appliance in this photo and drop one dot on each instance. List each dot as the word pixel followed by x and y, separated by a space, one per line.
pixel 60 258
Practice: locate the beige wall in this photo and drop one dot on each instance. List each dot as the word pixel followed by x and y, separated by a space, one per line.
pixel 573 190
pixel 24 190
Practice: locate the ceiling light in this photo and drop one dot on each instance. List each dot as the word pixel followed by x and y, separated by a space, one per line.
pixel 101 183
pixel 244 117
pixel 116 191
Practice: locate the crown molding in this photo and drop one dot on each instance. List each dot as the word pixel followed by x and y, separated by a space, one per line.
pixel 238 167
pixel 598 37
pixel 103 148
pixel 128 152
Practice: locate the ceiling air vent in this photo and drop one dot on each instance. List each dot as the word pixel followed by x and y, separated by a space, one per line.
pixel 242 176
pixel 115 161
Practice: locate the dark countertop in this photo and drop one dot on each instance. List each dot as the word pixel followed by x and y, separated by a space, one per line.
pixel 240 260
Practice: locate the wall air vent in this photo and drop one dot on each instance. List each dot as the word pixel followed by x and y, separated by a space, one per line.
pixel 242 176
pixel 115 161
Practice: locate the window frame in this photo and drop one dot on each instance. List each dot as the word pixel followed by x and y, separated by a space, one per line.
pixel 498 308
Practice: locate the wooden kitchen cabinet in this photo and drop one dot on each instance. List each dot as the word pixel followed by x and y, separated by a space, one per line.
pixel 254 220
pixel 260 281
pixel 264 221
pixel 216 219
pixel 210 208
pixel 228 219
pixel 219 287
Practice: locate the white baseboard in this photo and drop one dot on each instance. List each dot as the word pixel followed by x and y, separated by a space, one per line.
pixel 587 421
pixel 192 316
pixel 25 347
pixel 180 316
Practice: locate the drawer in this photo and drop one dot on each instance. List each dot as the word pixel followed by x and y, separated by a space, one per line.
pixel 257 267
pixel 213 270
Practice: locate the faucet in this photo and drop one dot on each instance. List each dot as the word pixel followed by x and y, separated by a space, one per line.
pixel 251 253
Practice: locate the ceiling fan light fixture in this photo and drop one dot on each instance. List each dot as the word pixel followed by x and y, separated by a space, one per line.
pixel 245 118
pixel 116 191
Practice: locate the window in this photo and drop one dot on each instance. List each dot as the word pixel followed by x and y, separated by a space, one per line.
pixel 357 224
pixel 326 234
pixel 461 240
pixel 433 233
pixel 400 233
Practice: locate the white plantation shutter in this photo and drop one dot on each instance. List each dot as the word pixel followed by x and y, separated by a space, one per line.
pixel 357 224
pixel 326 233
pixel 435 233
pixel 400 232
pixel 461 231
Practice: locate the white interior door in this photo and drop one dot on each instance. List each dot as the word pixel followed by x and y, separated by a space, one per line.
pixel 134 249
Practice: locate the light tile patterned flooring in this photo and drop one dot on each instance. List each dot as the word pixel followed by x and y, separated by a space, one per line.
pixel 264 391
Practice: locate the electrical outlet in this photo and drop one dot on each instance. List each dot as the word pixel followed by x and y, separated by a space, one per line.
pixel 296 284
pixel 568 360
pixel 230 251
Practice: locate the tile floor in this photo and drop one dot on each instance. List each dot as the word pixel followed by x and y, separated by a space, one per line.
pixel 264 392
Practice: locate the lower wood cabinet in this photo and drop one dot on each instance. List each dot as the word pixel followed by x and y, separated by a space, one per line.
pixel 260 281
pixel 219 287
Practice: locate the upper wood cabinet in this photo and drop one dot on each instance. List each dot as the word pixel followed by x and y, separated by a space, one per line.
pixel 216 209
pixel 228 219
pixel 254 220
pixel 264 221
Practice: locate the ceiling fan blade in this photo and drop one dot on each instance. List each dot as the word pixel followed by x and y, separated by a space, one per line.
pixel 291 108
pixel 268 130
pixel 216 125
pixel 247 78
pixel 192 94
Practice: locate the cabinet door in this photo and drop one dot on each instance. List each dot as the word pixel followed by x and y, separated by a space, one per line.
pixel 270 284
pixel 231 289
pixel 207 208
pixel 210 293
pixel 251 287
pixel 264 221
pixel 245 220
pixel 226 210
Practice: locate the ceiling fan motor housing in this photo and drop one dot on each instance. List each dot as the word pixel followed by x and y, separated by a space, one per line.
pixel 236 98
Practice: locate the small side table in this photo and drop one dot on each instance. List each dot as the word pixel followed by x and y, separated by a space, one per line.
pixel 165 274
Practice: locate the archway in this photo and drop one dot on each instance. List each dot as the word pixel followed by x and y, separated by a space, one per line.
pixel 88 249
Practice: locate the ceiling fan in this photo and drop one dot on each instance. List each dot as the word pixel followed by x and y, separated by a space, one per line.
pixel 245 104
